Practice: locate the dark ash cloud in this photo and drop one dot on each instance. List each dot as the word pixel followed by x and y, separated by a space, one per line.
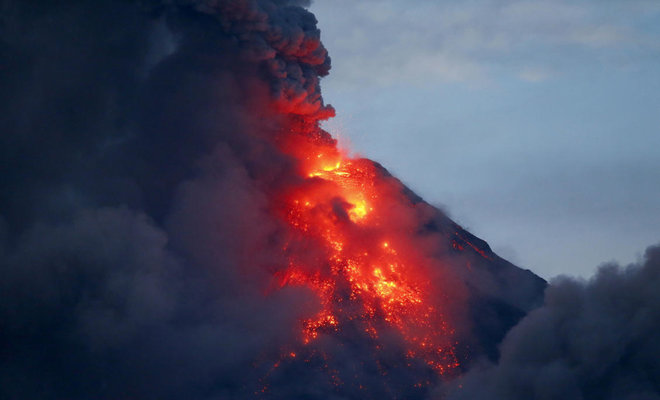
pixel 595 339
pixel 99 307
pixel 135 246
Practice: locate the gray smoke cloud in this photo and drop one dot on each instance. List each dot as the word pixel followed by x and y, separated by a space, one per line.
pixel 135 245
pixel 595 339
pixel 284 37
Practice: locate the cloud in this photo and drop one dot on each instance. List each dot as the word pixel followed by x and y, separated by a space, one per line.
pixel 101 305
pixel 593 339
pixel 470 42
pixel 133 135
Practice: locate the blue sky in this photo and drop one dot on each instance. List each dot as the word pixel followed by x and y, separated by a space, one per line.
pixel 535 124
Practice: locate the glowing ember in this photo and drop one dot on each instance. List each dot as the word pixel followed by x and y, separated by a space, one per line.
pixel 368 270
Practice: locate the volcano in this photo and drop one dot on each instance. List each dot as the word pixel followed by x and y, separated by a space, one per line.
pixel 176 223
pixel 402 289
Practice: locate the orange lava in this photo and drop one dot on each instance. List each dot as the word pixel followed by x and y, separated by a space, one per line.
pixel 355 248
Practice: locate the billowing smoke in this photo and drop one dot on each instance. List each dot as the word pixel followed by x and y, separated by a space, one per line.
pixel 135 158
pixel 595 339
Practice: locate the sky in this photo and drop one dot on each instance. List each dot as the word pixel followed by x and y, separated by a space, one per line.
pixel 534 124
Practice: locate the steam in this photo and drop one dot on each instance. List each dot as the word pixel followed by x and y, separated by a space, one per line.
pixel 590 340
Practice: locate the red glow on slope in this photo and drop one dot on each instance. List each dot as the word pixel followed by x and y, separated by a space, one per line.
pixel 356 249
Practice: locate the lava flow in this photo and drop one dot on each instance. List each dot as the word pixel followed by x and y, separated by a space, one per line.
pixel 355 247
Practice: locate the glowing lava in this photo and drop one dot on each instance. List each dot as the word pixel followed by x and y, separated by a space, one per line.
pixel 354 245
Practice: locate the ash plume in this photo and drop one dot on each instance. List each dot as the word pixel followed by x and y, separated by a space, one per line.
pixel 135 160
pixel 595 339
